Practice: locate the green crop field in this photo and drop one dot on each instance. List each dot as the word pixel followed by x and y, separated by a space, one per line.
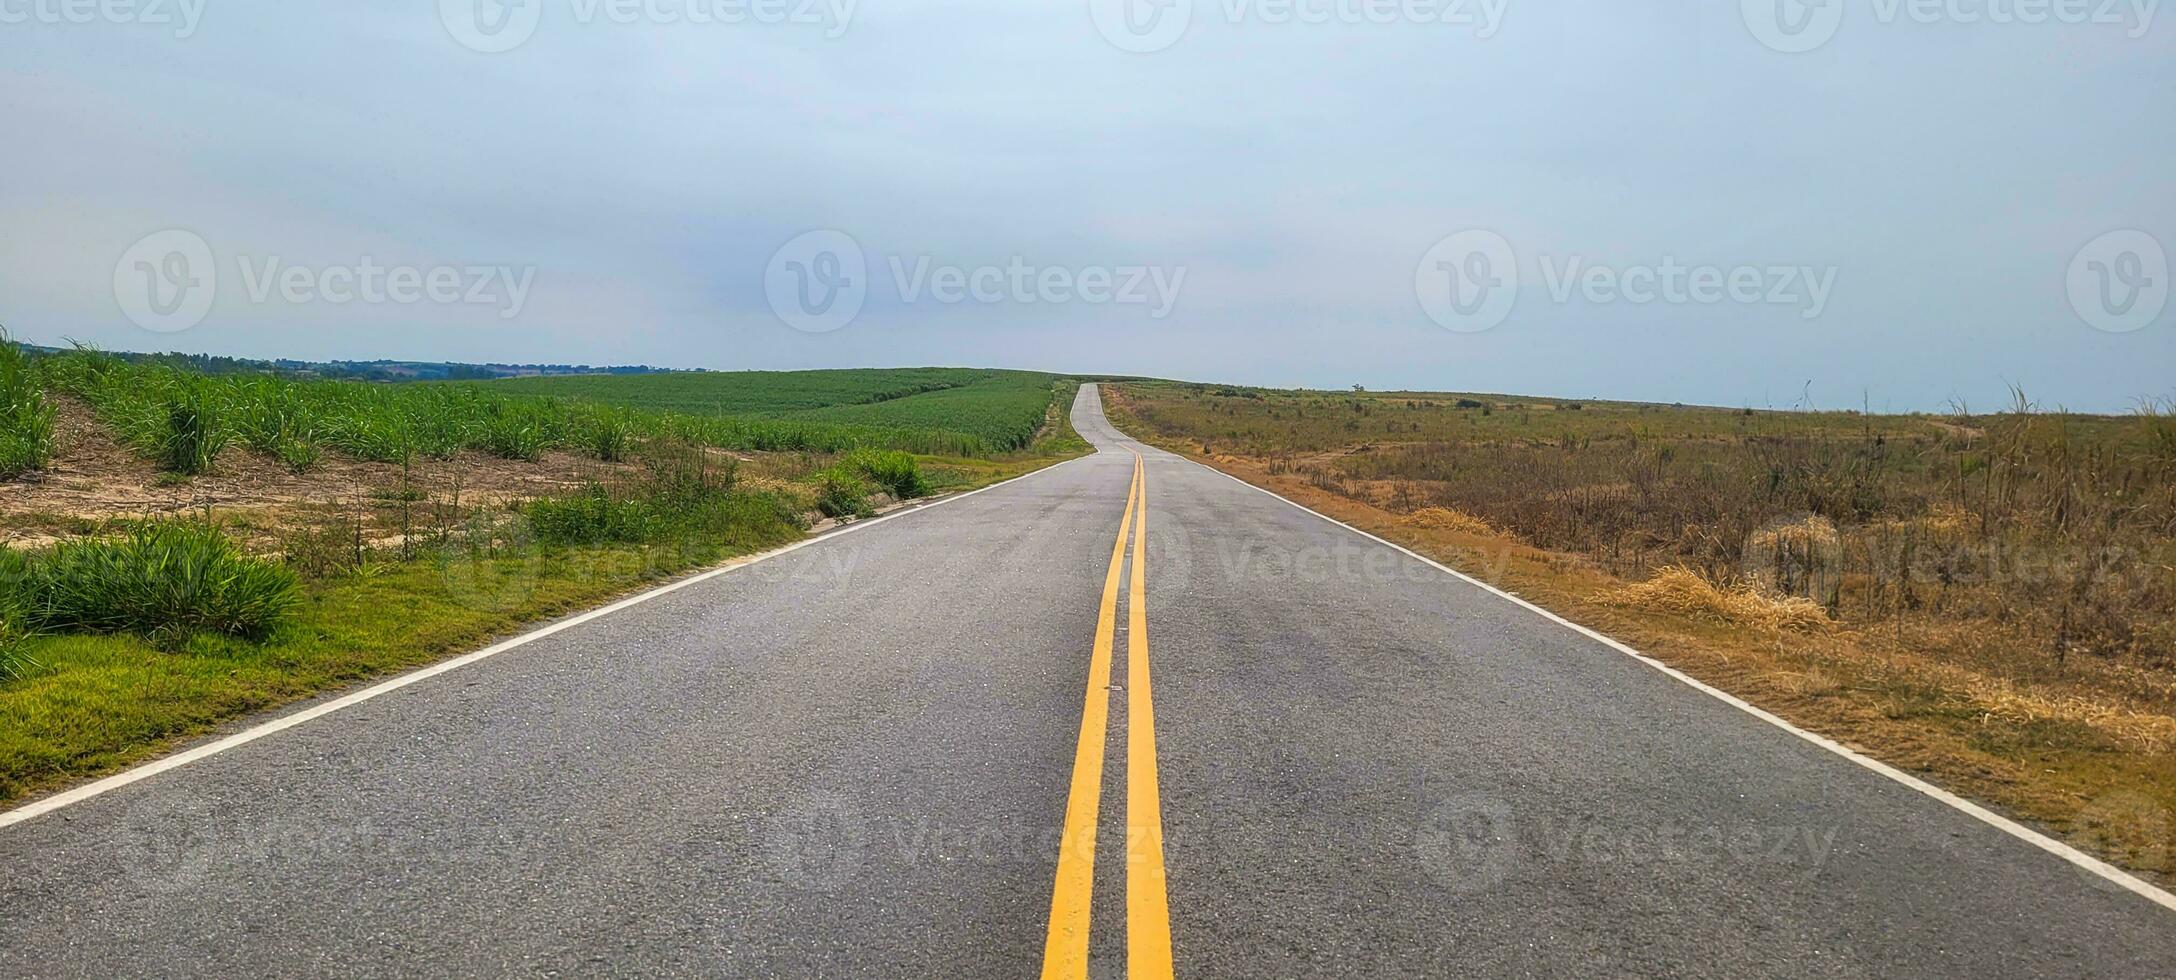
pixel 336 529
pixel 1000 410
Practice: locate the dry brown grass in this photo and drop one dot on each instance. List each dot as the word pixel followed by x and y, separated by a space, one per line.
pixel 1681 591
pixel 1446 519
pixel 1987 602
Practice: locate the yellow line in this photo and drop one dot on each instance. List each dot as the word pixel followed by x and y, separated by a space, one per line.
pixel 1148 905
pixel 1065 949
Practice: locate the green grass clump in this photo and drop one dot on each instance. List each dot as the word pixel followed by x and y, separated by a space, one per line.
pixel 603 431
pixel 691 502
pixel 15 630
pixel 26 420
pixel 897 472
pixel 15 658
pixel 521 429
pixel 164 581
pixel 177 419
pixel 272 418
pixel 842 493
pixel 192 438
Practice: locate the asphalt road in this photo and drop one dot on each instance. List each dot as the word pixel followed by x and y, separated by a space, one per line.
pixel 859 759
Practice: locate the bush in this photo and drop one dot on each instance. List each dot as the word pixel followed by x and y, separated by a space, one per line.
pixel 271 419
pixel 519 429
pixel 26 420
pixel 192 439
pixel 687 501
pixel 163 581
pixel 897 472
pixel 841 493
pixel 594 515
pixel 604 432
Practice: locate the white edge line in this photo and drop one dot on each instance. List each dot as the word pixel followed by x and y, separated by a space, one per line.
pixel 2084 861
pixel 41 807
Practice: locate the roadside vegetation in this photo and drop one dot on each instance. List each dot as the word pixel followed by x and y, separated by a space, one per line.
pixel 246 539
pixel 985 411
pixel 183 419
pixel 1989 598
pixel 26 420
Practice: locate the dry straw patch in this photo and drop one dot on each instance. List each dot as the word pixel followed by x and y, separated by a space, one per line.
pixel 2149 733
pixel 1446 519
pixel 1680 590
pixel 1808 535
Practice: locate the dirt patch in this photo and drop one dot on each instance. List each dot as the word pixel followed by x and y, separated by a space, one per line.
pixel 94 478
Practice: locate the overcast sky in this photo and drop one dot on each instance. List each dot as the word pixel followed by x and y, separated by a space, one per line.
pixel 1915 209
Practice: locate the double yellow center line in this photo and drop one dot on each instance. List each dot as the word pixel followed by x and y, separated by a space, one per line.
pixel 1148 907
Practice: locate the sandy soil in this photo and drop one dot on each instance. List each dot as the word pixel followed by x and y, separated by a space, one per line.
pixel 94 478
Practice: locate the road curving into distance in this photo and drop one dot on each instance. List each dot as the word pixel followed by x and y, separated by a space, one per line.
pixel 870 756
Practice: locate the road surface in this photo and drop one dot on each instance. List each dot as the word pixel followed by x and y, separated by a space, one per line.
pixel 866 757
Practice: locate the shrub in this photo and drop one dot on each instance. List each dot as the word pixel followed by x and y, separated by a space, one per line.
pixel 604 432
pixel 688 501
pixel 271 418
pixel 897 472
pixel 192 438
pixel 593 515
pixel 841 493
pixel 26 420
pixel 518 429
pixel 164 580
